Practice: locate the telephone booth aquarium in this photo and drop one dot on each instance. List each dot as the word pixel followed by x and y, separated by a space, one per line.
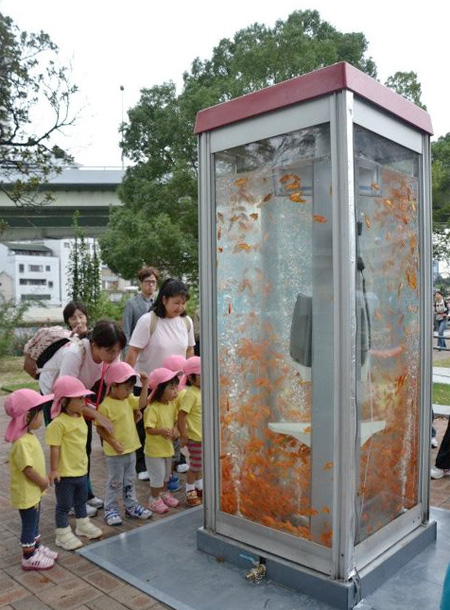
pixel 315 223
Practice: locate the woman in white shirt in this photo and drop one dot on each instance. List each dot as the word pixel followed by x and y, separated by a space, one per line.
pixel 164 331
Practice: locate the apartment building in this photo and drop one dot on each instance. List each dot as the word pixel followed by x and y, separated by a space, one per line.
pixel 29 271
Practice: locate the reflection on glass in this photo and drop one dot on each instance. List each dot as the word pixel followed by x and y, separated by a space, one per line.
pixel 268 215
pixel 388 305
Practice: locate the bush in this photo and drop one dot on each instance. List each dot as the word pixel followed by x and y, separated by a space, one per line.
pixel 11 317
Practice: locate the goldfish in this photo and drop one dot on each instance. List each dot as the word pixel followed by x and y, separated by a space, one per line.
pixel 268 197
pixel 229 307
pixel 375 186
pixel 367 220
pixel 319 218
pixel 243 246
pixel 297 198
pixel 219 232
pixel 328 466
pixel 240 181
pixel 255 216
pixel 220 249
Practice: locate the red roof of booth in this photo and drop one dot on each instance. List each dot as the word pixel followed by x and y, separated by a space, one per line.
pixel 307 87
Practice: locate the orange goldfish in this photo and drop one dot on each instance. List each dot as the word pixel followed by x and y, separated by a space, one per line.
pixel 240 181
pixel 297 198
pixel 254 216
pixel 268 197
pixel 319 218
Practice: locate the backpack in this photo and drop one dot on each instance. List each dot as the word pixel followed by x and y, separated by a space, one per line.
pixel 42 346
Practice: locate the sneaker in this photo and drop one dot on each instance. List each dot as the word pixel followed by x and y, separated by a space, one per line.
pixel 47 552
pixel 138 512
pixel 434 442
pixel 95 502
pixel 91 511
pixel 199 493
pixel 112 517
pixel 158 506
pixel 143 476
pixel 86 528
pixel 173 483
pixel 169 500
pixel 37 561
pixel 192 499
pixel 438 473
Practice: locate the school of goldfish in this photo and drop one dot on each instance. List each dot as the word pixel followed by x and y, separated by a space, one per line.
pixel 265 477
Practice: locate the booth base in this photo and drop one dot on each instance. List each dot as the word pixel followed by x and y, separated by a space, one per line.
pixel 339 594
pixel 162 560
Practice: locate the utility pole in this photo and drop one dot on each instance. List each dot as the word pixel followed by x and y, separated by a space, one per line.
pixel 122 88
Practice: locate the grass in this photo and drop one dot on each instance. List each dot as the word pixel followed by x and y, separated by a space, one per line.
pixel 13 377
pixel 441 393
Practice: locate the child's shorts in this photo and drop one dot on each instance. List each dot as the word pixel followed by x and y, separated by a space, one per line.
pixel 195 456
pixel 159 470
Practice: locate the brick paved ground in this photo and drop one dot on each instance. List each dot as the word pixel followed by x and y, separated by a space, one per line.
pixel 75 583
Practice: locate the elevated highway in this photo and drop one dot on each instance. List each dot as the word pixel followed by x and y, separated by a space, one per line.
pixel 91 191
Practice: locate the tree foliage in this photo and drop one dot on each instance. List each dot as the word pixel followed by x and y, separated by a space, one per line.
pixel 159 192
pixel 84 271
pixel 440 159
pixel 35 95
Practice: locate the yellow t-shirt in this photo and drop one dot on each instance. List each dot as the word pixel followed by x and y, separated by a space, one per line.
pixel 120 412
pixel 70 434
pixel 26 451
pixel 192 405
pixel 159 415
pixel 179 398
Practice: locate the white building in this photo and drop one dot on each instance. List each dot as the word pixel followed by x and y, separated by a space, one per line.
pixel 30 271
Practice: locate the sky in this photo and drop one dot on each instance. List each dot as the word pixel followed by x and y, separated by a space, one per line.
pixel 141 43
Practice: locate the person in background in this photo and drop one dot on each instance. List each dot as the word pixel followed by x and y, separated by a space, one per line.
pixel 441 315
pixel 76 318
pixel 29 479
pixel 142 302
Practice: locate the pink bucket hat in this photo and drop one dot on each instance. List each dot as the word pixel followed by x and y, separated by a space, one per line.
pixel 119 372
pixel 67 387
pixel 176 363
pixel 17 406
pixel 193 366
pixel 159 376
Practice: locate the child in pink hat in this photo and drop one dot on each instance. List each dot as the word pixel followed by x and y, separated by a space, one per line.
pixel 123 409
pixel 160 427
pixel 176 363
pixel 29 479
pixel 190 426
pixel 66 435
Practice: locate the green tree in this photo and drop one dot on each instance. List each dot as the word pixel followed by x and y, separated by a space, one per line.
pixel 35 95
pixel 159 192
pixel 84 271
pixel 11 316
pixel 440 160
pixel 406 84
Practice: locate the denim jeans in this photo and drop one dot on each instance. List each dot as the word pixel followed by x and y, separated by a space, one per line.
pixel 30 525
pixel 442 326
pixel 70 491
pixel 121 476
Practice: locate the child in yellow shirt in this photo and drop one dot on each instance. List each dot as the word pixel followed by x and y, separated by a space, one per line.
pixel 160 426
pixel 190 426
pixel 66 435
pixel 123 409
pixel 29 479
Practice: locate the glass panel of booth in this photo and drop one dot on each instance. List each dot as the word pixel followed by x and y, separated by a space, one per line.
pixel 388 374
pixel 273 240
